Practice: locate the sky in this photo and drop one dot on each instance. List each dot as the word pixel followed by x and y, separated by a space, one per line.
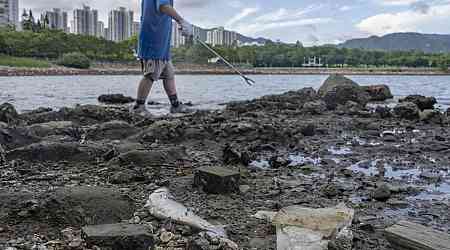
pixel 311 22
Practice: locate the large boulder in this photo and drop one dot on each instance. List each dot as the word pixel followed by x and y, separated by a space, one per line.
pixel 378 93
pixel 338 90
pixel 432 116
pixel 407 110
pixel 58 151
pixel 115 99
pixel 422 102
pixel 8 113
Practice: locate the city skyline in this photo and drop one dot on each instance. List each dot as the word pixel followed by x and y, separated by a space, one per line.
pixel 311 22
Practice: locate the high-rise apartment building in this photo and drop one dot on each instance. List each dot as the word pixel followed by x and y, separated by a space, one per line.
pixel 220 36
pixel 120 24
pixel 9 13
pixel 101 29
pixel 57 19
pixel 85 21
pixel 136 28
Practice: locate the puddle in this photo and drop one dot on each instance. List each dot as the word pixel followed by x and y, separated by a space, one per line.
pixel 369 168
pixel 340 151
pixel 260 164
pixel 435 192
pixel 300 160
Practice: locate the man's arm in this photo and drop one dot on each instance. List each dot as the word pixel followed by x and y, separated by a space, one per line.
pixel 170 11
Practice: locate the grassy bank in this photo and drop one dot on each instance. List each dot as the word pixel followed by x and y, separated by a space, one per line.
pixel 23 62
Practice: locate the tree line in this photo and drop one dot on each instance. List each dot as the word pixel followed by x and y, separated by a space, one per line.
pixel 288 55
pixel 53 44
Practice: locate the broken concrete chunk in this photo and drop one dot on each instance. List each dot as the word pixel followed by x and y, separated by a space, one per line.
pixel 301 228
pixel 217 180
pixel 119 236
pixel 412 236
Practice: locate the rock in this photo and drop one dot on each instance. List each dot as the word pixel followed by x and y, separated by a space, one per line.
pixel 338 89
pixel 232 155
pixel 317 107
pixel 378 92
pixel 277 162
pixel 119 236
pixel 343 240
pixel 432 116
pixel 57 151
pixel 217 180
pixel 146 158
pixel 113 130
pixel 308 130
pixel 382 192
pixel 243 189
pixel 51 128
pixel 407 110
pixel 166 237
pixel 16 137
pixel 301 228
pixel 8 114
pixel 383 112
pixel 127 176
pixel 115 99
pixel 448 112
pixel 421 101
pixel 85 205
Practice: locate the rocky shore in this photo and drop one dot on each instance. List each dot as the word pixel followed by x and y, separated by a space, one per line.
pixel 67 177
pixel 212 70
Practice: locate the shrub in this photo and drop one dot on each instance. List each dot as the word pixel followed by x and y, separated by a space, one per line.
pixel 23 62
pixel 75 60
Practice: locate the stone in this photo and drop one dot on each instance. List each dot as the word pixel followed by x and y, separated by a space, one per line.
pixel 378 93
pixel 317 107
pixel 308 130
pixel 8 114
pixel 217 180
pixel 58 151
pixel 383 112
pixel 338 90
pixel 51 128
pixel 232 155
pixel 127 176
pixel 382 192
pixel 302 228
pixel 115 99
pixel 277 162
pixel 432 116
pixel 148 158
pixel 243 189
pixel 166 237
pixel 119 236
pixel 422 102
pixel 112 130
pixel 84 205
pixel 407 110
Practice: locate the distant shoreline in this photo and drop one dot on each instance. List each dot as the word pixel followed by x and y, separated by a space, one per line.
pixel 5 72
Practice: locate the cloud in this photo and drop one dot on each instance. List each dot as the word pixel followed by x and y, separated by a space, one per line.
pixel 254 28
pixel 431 21
pixel 243 14
pixel 283 14
pixel 397 2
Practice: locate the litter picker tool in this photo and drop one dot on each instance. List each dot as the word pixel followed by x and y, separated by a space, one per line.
pixel 246 79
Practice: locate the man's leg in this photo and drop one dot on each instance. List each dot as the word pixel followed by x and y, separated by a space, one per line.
pixel 143 91
pixel 171 91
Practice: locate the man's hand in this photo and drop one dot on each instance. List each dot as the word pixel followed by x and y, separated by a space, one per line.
pixel 186 28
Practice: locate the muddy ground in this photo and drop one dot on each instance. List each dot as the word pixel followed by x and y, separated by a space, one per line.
pixel 91 165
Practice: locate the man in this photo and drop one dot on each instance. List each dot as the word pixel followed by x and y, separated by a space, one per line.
pixel 154 52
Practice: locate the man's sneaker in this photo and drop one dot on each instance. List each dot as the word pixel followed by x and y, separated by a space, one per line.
pixel 181 109
pixel 140 110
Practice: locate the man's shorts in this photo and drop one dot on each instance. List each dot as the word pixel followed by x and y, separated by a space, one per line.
pixel 158 69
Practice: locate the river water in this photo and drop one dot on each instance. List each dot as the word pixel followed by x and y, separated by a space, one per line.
pixel 205 91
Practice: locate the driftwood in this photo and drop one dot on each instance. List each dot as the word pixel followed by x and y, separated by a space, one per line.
pixel 410 236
